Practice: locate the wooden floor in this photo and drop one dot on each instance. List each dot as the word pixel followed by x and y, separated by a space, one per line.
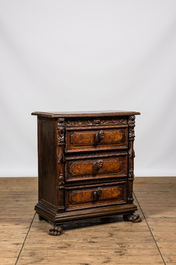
pixel 25 240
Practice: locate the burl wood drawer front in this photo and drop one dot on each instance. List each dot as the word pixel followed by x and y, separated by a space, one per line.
pixel 96 139
pixel 88 197
pixel 83 169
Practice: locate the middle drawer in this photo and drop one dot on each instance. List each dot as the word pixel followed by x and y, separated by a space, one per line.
pixel 96 168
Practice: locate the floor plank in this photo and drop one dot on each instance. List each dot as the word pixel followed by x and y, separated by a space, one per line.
pixel 153 241
pixel 158 202
pixel 16 196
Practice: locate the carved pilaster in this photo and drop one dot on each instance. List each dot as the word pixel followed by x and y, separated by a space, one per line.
pixel 60 160
pixel 60 131
pixel 131 124
pixel 131 155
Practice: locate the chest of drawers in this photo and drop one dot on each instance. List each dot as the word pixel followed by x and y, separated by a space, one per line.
pixel 85 166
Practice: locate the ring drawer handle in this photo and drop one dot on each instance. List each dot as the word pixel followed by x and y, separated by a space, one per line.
pixel 97 194
pixel 99 136
pixel 97 165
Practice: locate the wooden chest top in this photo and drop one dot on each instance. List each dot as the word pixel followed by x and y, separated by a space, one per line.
pixel 85 114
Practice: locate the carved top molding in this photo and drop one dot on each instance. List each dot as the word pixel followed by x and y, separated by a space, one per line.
pixel 94 122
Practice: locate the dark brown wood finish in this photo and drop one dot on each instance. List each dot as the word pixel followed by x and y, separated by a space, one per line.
pixel 80 140
pixel 93 196
pixel 83 169
pixel 85 165
pixel 86 114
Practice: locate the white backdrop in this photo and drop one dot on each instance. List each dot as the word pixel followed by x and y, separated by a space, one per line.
pixel 88 55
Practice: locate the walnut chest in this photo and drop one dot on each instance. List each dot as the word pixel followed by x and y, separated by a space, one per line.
pixel 85 166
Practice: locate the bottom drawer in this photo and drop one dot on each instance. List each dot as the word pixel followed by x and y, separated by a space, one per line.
pixel 95 196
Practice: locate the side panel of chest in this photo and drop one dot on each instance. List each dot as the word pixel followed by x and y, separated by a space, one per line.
pixel 47 160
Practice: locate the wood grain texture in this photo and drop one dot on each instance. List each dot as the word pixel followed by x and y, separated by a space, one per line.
pixel 68 148
pixel 100 241
pixel 95 196
pixel 85 114
pixel 84 169
pixel 17 196
pixel 96 139
pixel 46 156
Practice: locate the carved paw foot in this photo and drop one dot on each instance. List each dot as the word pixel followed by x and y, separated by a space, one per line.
pixel 135 218
pixel 55 231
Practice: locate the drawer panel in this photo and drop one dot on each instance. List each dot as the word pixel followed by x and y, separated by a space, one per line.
pixel 96 139
pixel 88 197
pixel 84 169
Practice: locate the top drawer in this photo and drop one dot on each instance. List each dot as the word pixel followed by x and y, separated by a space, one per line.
pixel 94 139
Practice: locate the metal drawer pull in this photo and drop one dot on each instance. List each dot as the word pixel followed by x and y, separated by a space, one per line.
pixel 97 165
pixel 99 136
pixel 97 194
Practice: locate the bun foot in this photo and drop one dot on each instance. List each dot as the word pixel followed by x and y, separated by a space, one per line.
pixel 55 231
pixel 135 218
